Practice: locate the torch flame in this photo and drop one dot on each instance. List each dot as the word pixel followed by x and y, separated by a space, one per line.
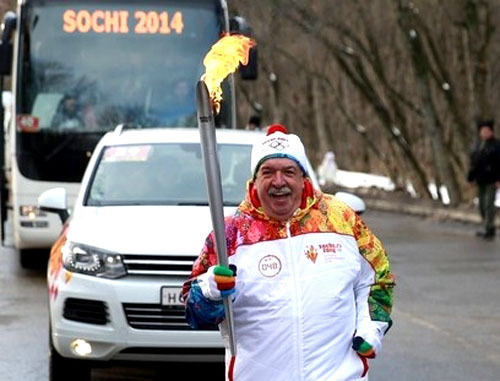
pixel 223 59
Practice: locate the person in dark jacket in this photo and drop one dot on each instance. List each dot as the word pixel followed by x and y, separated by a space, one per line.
pixel 485 172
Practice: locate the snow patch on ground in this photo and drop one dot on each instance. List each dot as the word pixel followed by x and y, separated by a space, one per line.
pixel 350 179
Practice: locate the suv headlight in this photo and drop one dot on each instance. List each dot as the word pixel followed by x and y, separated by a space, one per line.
pixel 90 260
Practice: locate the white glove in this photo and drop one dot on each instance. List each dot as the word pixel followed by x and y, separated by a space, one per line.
pixel 218 282
pixel 371 337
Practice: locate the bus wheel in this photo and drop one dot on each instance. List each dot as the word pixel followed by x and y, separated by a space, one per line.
pixel 27 258
pixel 33 258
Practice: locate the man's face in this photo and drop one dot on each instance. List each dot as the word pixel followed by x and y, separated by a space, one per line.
pixel 279 184
pixel 485 132
pixel 70 105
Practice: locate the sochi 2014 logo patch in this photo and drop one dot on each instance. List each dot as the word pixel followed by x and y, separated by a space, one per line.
pixel 270 266
pixel 311 254
pixel 332 251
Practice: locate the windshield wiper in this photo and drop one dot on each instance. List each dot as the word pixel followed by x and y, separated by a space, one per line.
pixel 59 147
pixel 193 203
pixel 204 203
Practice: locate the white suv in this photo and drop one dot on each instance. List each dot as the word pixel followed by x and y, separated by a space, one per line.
pixel 139 222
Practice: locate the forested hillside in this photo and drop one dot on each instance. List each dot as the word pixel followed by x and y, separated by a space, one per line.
pixel 392 87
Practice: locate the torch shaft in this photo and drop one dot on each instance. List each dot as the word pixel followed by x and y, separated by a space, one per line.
pixel 214 187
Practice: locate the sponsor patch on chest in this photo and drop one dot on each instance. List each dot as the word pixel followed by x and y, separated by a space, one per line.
pixel 270 266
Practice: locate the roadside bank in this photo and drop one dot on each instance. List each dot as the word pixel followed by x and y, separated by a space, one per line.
pixel 400 202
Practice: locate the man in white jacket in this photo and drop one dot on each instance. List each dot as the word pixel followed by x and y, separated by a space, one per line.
pixel 313 293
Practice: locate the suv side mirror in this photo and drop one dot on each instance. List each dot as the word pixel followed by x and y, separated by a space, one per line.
pixel 8 27
pixel 238 24
pixel 55 200
pixel 355 202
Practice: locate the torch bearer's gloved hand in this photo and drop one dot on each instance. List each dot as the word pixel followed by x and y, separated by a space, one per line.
pixel 364 348
pixel 218 282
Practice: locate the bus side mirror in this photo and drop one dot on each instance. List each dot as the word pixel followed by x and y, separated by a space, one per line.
pixel 5 58
pixel 238 24
pixel 249 71
pixel 8 27
pixel 55 200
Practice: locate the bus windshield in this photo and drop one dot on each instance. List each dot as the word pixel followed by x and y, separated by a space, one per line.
pixel 90 65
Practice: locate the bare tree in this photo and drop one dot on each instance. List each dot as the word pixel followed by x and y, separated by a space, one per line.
pixel 393 85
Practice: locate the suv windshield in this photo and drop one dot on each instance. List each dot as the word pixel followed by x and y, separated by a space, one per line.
pixel 165 174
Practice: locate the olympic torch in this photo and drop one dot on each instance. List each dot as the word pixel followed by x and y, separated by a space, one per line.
pixel 223 59
pixel 214 187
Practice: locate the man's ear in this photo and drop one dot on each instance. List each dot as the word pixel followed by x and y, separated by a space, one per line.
pixel 254 197
pixel 307 191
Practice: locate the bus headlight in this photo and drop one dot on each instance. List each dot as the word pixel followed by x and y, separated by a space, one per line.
pixel 31 212
pixel 90 260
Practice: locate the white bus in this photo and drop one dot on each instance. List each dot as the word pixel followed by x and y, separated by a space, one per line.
pixel 78 69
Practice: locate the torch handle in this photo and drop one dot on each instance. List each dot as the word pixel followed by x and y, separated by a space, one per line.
pixel 214 187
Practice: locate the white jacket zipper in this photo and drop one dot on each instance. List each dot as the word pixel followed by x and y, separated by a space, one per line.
pixel 296 292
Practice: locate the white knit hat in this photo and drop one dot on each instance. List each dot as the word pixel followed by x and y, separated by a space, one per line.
pixel 278 143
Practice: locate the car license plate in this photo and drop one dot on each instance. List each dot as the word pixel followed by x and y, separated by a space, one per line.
pixel 171 296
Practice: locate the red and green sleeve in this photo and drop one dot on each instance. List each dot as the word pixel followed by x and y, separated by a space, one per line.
pixel 381 290
pixel 202 312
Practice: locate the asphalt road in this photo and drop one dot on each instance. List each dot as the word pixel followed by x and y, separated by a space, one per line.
pixel 447 302
pixel 446 309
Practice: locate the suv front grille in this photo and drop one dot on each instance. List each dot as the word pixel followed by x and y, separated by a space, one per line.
pixel 175 265
pixel 86 311
pixel 155 316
